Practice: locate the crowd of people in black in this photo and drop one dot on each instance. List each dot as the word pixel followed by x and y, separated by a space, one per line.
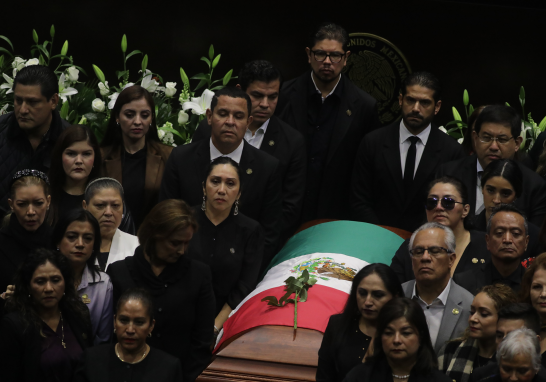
pixel 122 260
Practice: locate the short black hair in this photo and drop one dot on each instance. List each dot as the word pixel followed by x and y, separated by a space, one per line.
pixel 258 70
pixel 507 169
pixel 424 79
pixel 139 294
pixel 38 75
pixel 522 311
pixel 507 208
pixel 500 114
pixel 232 92
pixel 330 31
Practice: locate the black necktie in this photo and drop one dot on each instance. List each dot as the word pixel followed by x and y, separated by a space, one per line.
pixel 409 170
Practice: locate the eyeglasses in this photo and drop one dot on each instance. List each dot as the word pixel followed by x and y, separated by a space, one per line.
pixel 488 139
pixel 432 251
pixel 321 55
pixel 445 202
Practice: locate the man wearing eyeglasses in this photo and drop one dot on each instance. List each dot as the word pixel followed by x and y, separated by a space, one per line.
pixel 446 305
pixel 333 115
pixel 395 164
pixel 497 136
pixel 507 239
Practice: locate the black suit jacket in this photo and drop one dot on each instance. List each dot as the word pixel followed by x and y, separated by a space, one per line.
pixel 288 146
pixel 357 115
pixel 532 201
pixel 475 279
pixel 378 195
pixel 261 197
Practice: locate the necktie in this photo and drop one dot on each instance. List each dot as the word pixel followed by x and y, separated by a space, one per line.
pixel 409 170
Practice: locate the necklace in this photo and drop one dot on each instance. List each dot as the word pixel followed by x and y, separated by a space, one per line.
pixel 401 376
pixel 121 359
pixel 62 331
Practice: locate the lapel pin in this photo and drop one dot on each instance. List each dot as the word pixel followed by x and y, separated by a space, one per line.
pixel 482 261
pixel 249 171
pixel 271 143
pixel 86 299
pixel 232 250
pixel 455 311
pixel 349 113
pixel 474 260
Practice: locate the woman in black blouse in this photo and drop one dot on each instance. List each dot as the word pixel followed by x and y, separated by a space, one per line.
pixel 228 241
pixel 447 204
pixel 181 287
pixel 130 359
pixel 347 339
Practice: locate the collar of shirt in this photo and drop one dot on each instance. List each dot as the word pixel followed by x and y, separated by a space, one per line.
pixel 87 278
pixel 513 280
pixel 405 134
pixel 478 166
pixel 319 92
pixel 440 300
pixel 235 154
pixel 256 139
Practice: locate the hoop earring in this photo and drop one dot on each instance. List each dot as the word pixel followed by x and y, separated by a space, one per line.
pixel 204 206
pixel 236 211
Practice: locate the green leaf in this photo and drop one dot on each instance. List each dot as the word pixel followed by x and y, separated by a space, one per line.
pixel 52 31
pixel 45 44
pixel 5 50
pixel 458 123
pixel 41 49
pixel 542 124
pixel 64 110
pixel 466 99
pixel 522 94
pixel 206 60
pixel 64 50
pixel 184 77
pixel 272 300
pixel 124 44
pixel 216 60
pixel 35 36
pixel 99 73
pixel 132 54
pixel 470 110
pixel 200 84
pixel 211 51
pixel 1 61
pixel 303 295
pixel 507 104
pixel 121 73
pixel 201 76
pixel 171 131
pixel 305 276
pixel 8 41
pixel 144 64
pixel 216 88
pixel 227 77
pixel 312 282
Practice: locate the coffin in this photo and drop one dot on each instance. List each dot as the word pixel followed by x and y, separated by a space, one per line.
pixel 258 343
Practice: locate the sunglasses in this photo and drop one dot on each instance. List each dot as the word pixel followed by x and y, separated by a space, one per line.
pixel 446 203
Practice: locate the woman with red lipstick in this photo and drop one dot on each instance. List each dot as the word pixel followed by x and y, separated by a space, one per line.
pixel 77 237
pixel 347 339
pixel 130 359
pixel 47 326
pixel 447 204
pixel 227 241
pixel 29 201
pixel 132 151
pixel 402 350
pixel 458 358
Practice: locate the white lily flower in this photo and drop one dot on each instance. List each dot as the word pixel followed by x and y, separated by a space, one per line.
pixel 8 85
pixel 460 140
pixel 18 63
pixel 113 99
pixel 161 134
pixel 4 109
pixel 64 90
pixel 169 89
pixel 149 84
pixel 98 105
pixel 199 105
pixel 104 89
pixel 183 117
pixel 128 85
pixel 32 61
pixel 73 74
pixel 441 128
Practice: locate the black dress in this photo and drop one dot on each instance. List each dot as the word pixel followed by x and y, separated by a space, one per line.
pixel 133 176
pixel 68 204
pixel 100 364
pixel 341 350
pixel 15 244
pixel 474 256
pixel 233 250
pixel 379 370
pixel 183 307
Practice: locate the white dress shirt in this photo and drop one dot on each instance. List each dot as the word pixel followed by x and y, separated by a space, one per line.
pixel 405 144
pixel 319 92
pixel 479 195
pixel 258 137
pixel 235 154
pixel 433 312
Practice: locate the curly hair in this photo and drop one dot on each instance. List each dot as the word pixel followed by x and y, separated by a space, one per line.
pixel 22 303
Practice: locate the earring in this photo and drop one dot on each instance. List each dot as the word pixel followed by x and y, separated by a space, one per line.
pixel 204 206
pixel 122 216
pixel 57 248
pixel 117 123
pixel 236 212
pixel 150 334
pixel 114 330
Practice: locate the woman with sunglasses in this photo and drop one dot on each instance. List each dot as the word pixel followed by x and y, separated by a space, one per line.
pixel 447 204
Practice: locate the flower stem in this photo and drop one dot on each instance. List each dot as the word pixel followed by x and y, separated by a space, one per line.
pixel 295 316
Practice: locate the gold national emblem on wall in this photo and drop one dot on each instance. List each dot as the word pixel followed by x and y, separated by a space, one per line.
pixel 378 67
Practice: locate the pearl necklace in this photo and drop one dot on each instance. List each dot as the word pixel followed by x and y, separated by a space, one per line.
pixel 121 359
pixel 401 376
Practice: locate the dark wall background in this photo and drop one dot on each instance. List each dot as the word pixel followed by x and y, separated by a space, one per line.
pixel 489 47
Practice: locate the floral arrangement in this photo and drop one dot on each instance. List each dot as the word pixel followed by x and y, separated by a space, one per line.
pixel 91 103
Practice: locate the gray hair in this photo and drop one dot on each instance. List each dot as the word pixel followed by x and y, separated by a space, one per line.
pixel 101 184
pixel 520 341
pixel 449 236
pixel 507 208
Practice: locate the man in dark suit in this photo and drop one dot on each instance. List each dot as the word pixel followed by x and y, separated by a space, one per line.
pixel 395 164
pixel 497 136
pixel 267 132
pixel 507 239
pixel 229 116
pixel 333 115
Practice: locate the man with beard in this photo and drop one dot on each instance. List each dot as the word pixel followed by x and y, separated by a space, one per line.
pixel 333 116
pixel 395 164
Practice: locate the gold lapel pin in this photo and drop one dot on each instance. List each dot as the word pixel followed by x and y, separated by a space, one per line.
pixel 349 113
pixel 249 171
pixel 482 261
pixel 475 261
pixel 455 311
pixel 232 250
pixel 271 143
pixel 86 299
